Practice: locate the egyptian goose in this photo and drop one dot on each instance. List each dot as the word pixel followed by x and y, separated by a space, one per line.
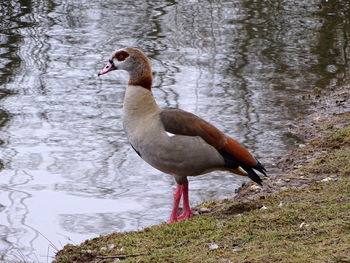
pixel 174 141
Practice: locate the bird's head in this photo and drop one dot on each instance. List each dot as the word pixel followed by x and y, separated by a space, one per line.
pixel 133 61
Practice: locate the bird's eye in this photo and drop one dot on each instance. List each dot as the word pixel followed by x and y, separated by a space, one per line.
pixel 121 55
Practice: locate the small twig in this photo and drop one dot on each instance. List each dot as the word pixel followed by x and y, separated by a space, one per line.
pixel 178 244
pixel 52 244
pixel 47 254
pixel 299 178
pixel 124 256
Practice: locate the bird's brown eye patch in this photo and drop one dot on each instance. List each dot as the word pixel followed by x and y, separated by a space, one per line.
pixel 121 55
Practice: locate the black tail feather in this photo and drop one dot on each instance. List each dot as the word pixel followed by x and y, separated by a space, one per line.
pixel 260 168
pixel 232 162
pixel 252 174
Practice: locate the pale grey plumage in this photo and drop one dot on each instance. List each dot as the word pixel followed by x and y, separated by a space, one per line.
pixel 170 154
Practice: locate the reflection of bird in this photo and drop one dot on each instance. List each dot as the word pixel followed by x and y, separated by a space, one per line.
pixel 172 140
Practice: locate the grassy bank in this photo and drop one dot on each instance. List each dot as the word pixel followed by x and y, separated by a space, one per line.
pixel 308 223
pixel 301 225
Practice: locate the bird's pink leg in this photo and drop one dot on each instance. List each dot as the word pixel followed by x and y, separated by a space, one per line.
pixel 177 197
pixel 187 212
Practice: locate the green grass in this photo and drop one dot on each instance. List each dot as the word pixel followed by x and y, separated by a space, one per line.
pixel 333 147
pixel 300 225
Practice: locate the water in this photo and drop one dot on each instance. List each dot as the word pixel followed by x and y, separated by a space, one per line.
pixel 67 172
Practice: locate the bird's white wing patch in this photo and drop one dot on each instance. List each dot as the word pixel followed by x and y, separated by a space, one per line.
pixel 170 134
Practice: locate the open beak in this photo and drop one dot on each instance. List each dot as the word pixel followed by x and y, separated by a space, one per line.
pixel 109 67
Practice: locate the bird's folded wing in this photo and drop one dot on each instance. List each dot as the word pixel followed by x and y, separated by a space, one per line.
pixel 181 122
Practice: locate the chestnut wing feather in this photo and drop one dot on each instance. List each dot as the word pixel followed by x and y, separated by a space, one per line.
pixel 181 122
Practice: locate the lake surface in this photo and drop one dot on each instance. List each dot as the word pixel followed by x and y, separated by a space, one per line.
pixel 67 172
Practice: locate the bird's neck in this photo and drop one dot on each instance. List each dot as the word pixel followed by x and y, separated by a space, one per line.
pixel 141 75
pixel 138 102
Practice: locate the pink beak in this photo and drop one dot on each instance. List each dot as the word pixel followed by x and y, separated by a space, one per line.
pixel 109 67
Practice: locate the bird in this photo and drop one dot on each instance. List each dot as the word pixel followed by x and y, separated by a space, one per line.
pixel 172 140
